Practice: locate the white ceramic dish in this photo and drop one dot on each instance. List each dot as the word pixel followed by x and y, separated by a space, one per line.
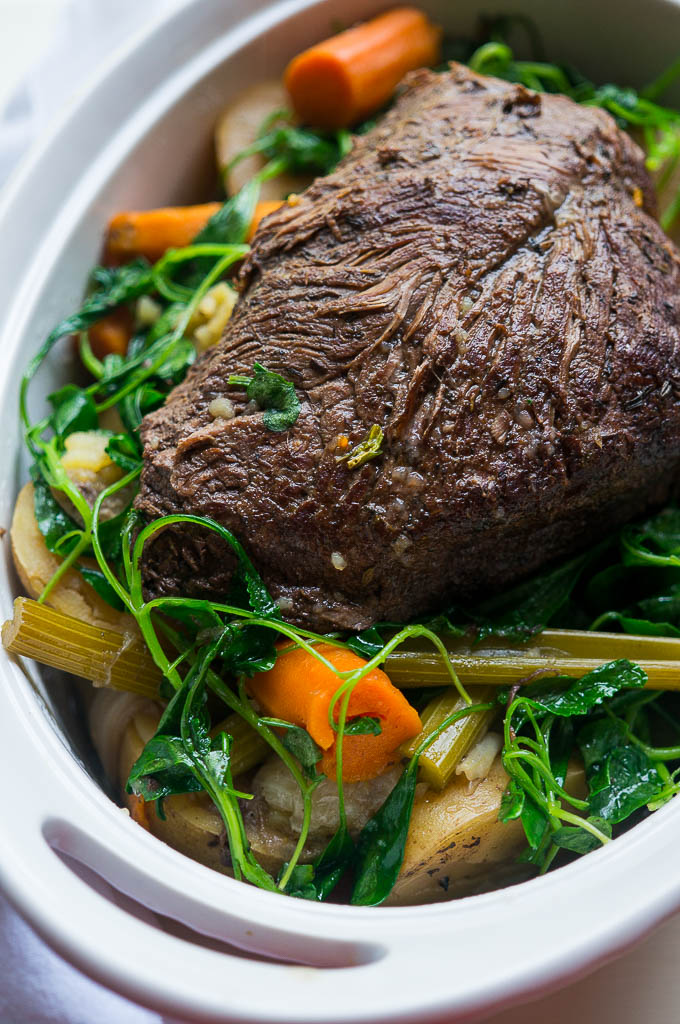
pixel 140 136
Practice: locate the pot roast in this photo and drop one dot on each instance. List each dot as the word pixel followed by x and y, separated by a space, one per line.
pixel 484 279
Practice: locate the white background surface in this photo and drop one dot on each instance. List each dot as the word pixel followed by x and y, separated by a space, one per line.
pixel 36 987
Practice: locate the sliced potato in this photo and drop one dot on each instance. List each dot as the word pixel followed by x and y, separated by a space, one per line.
pixel 237 128
pixel 456 844
pixel 192 825
pixel 36 565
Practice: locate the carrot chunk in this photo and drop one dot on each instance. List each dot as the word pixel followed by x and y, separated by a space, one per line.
pixel 150 233
pixel 299 689
pixel 112 333
pixel 349 76
pixel 262 210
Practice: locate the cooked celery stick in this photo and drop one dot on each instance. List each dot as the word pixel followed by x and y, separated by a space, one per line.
pixel 499 662
pixel 106 658
pixel 438 763
pixel 122 661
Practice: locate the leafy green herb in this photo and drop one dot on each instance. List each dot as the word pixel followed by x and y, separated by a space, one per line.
pixel 73 409
pixel 124 451
pixel 229 226
pixel 526 609
pixel 655 542
pixel 302 746
pixel 664 607
pixel 568 837
pixel 316 881
pixel 300 882
pixel 367 643
pixel 538 740
pixel 290 147
pixel 99 583
pixel 365 450
pixel 381 844
pixel 598 738
pixel 112 289
pixel 565 696
pixel 299 743
pixel 333 863
pixel 364 726
pixel 629 780
pixel 535 822
pixel 162 769
pixel 641 627
pixel 246 650
pixel 56 526
pixel 512 802
pixel 273 393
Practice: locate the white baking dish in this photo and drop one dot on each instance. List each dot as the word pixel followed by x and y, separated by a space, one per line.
pixel 140 136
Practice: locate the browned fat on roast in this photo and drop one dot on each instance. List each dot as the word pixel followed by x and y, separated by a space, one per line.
pixel 483 276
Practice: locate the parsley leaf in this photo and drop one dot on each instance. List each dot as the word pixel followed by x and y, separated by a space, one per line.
pixel 364 726
pixel 274 394
pixel 73 409
pixel 381 844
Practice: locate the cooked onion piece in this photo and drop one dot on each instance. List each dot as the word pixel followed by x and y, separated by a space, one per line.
pixel 274 817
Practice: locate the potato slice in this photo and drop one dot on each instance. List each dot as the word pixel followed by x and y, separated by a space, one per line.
pixel 192 825
pixel 457 846
pixel 237 128
pixel 36 565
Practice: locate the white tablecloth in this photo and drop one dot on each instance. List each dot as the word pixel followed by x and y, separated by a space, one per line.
pixel 52 45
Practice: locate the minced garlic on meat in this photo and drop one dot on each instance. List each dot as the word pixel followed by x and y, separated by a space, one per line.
pixel 221 408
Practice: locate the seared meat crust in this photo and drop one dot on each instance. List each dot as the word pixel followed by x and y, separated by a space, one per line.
pixel 483 277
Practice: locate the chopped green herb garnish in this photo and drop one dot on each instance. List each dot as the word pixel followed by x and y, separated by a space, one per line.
pixel 273 393
pixel 365 450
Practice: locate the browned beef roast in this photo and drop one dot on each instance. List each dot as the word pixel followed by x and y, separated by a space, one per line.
pixel 484 278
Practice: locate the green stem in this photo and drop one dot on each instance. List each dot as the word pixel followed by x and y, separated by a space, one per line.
pixel 538 764
pixel 87 356
pixel 67 562
pixel 583 823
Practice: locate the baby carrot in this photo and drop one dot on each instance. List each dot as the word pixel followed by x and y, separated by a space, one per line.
pixel 349 76
pixel 112 333
pixel 151 232
pixel 299 689
pixel 263 209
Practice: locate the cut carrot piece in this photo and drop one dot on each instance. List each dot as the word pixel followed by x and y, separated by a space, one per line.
pixel 262 210
pixel 344 79
pixel 138 810
pixel 150 233
pixel 112 333
pixel 299 689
